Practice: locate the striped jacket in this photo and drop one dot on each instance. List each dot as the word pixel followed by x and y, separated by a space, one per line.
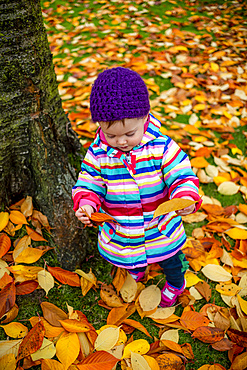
pixel 130 190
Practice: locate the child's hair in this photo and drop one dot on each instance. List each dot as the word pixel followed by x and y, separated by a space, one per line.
pixel 110 123
pixel 118 93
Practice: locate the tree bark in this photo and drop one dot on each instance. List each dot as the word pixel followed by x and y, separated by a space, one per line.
pixel 36 139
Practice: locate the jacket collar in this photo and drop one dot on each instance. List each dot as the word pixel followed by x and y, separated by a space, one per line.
pixel 151 133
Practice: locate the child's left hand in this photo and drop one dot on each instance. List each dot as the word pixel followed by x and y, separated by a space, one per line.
pixel 188 210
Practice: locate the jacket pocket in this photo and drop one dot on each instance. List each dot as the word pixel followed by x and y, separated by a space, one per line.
pixel 107 232
pixel 168 224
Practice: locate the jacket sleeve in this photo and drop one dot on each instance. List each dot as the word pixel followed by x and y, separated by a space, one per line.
pixel 90 187
pixel 178 175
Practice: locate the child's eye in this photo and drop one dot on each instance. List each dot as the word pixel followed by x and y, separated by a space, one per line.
pixel 110 136
pixel 131 134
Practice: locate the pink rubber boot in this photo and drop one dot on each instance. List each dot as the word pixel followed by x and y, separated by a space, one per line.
pixel 137 276
pixel 169 294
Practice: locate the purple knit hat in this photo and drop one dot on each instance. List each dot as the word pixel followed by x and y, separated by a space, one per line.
pixel 118 93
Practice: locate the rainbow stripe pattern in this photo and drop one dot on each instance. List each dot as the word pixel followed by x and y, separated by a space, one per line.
pixel 130 191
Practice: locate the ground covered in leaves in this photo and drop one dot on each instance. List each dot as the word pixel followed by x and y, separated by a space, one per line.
pixel 192 56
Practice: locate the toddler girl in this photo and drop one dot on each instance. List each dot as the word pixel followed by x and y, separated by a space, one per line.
pixel 128 171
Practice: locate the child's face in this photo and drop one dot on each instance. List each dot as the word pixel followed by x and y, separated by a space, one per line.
pixel 124 136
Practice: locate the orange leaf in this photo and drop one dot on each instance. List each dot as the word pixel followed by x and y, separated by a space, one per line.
pixel 240 362
pixel 199 162
pixel 208 335
pixel 119 278
pixel 193 320
pixel 17 218
pixel 32 341
pixel 64 276
pixel 119 314
pixel 137 325
pixel 7 298
pixel 5 244
pixel 243 208
pixel 5 279
pixel 50 330
pixel 34 235
pixel 98 361
pixel 99 218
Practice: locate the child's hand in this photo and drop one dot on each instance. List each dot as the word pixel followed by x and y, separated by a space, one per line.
pixel 188 210
pixel 81 215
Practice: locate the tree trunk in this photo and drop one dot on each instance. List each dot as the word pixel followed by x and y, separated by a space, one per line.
pixel 36 139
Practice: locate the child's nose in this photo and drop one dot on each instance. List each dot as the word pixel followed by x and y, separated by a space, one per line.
pixel 122 140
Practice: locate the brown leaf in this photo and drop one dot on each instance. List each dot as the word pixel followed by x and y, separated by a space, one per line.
pixel 52 313
pixel 98 361
pixel 240 362
pixel 204 289
pixel 207 334
pixel 10 315
pixel 5 280
pixel 109 296
pixel 26 287
pixel 169 361
pixel 5 244
pixel 32 341
pixel 64 276
pixel 238 337
pixel 223 345
pixel 7 298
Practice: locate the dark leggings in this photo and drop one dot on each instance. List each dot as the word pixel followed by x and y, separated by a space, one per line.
pixel 174 268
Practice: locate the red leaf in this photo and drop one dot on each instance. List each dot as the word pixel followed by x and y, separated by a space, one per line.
pixel 64 276
pixel 98 361
pixel 7 298
pixel 26 287
pixel 208 335
pixel 32 341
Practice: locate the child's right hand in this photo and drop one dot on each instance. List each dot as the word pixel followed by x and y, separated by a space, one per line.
pixel 81 215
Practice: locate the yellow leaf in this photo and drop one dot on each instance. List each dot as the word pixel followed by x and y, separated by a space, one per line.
pixel 22 244
pixel 15 330
pixel 4 219
pixel 191 279
pixel 214 67
pixel 162 313
pixel 17 218
pixel 238 263
pixel 175 49
pixel 67 349
pixel 171 334
pixel 243 304
pixel 129 289
pixel 152 362
pixel 107 339
pixel 84 343
pixel 140 346
pixel 237 233
pixel 29 255
pixel 173 205
pixel 198 107
pixel 48 364
pixel 47 350
pixel 228 289
pixel 150 298
pixel 8 362
pixel 138 362
pixel 45 280
pixel 216 273
pixel 122 336
pixel 74 326
pixel 9 346
pixel 228 188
